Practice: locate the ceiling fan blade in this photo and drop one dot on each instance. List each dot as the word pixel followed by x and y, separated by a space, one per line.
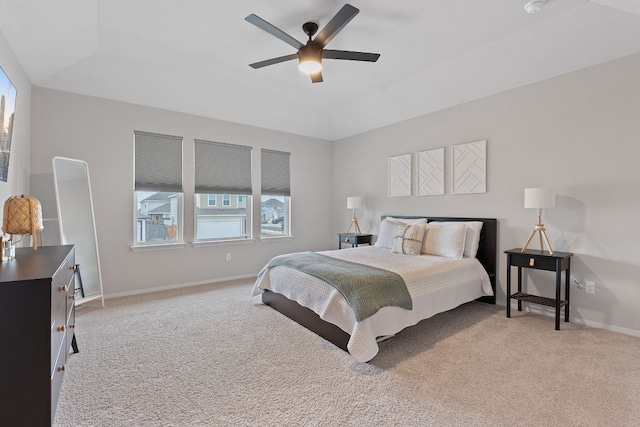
pixel 272 61
pixel 337 23
pixel 273 30
pixel 316 77
pixel 349 55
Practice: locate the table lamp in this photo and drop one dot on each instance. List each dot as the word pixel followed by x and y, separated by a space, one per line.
pixel 539 198
pixel 354 203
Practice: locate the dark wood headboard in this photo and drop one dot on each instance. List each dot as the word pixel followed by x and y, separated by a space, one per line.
pixel 487 250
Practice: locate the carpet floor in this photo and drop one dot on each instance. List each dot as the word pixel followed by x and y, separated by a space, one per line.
pixel 212 356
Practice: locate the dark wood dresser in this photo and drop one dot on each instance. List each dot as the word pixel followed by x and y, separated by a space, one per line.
pixel 37 312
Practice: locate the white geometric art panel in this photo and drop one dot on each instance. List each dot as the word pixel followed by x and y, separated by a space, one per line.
pixel 400 175
pixel 469 173
pixel 431 172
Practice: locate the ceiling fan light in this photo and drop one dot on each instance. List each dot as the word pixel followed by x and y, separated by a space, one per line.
pixel 310 58
pixel 310 66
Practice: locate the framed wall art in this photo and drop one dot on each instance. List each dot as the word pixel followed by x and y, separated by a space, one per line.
pixel 7 115
pixel 469 168
pixel 430 165
pixel 400 175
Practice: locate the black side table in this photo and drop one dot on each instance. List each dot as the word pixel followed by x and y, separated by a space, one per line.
pixel 354 239
pixel 540 260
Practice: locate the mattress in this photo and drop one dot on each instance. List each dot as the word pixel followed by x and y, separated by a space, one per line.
pixel 436 284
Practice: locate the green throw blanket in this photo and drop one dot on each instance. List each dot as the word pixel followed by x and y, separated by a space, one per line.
pixel 367 289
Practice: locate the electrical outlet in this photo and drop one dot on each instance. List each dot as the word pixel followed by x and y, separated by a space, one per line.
pixel 590 287
pixel 229 257
pixel 579 284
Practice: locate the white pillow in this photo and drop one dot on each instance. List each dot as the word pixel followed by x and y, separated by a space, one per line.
pixel 472 239
pixel 387 230
pixel 445 240
pixel 408 240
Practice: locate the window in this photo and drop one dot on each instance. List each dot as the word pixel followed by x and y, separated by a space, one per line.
pixel 276 192
pixel 222 170
pixel 158 188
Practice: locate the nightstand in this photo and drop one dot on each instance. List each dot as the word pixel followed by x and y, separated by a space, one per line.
pixel 540 260
pixel 354 239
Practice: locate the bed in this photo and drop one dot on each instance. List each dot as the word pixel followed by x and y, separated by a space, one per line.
pixel 436 281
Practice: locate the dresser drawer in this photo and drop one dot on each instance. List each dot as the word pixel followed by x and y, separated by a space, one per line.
pixel 58 342
pixel 354 239
pixel 532 261
pixel 56 380
pixel 345 238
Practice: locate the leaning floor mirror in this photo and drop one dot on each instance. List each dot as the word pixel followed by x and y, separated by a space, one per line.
pixel 77 224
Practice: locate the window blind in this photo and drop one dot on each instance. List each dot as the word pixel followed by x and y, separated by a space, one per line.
pixel 158 162
pixel 222 168
pixel 275 173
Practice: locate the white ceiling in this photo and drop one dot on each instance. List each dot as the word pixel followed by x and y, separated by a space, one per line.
pixel 192 56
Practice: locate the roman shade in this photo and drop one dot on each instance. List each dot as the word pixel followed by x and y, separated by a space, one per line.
pixel 158 162
pixel 275 173
pixel 222 168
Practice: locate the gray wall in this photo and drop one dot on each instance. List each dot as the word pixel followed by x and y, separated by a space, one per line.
pixel 579 133
pixel 100 132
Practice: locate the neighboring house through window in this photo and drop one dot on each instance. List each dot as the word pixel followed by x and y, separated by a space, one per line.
pixel 158 188
pixel 276 194
pixel 222 184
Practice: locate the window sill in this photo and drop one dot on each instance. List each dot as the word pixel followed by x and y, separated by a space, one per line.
pixel 270 239
pixel 207 243
pixel 157 247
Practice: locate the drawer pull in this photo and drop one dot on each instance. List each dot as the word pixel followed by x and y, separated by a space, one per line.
pixel 61 328
pixel 346 240
pixel 73 267
pixel 72 296
pixel 72 325
pixel 63 288
pixel 61 368
pixel 532 261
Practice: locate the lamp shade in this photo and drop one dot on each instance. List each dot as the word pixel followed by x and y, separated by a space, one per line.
pixel 354 202
pixel 310 58
pixel 539 198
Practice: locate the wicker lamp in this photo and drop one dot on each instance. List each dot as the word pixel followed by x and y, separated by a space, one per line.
pixel 23 215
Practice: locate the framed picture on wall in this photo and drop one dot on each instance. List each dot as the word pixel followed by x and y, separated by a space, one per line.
pixel 469 164
pixel 7 115
pixel 400 175
pixel 431 172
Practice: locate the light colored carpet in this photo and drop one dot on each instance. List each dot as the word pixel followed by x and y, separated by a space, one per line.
pixel 212 356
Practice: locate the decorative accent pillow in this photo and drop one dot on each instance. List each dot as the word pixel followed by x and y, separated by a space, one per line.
pixel 472 239
pixel 445 240
pixel 387 231
pixel 408 240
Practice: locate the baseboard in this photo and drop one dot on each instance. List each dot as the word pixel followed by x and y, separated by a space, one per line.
pixel 550 312
pixel 177 286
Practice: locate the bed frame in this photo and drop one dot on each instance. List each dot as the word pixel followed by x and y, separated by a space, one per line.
pixel 487 255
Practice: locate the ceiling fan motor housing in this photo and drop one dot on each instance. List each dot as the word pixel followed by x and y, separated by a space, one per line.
pixel 310 28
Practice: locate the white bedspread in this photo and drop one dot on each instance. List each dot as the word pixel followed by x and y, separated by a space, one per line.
pixel 436 284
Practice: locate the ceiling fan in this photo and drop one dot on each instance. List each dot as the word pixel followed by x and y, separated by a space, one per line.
pixel 310 55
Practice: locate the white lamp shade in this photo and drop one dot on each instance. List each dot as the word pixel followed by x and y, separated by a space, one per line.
pixel 354 202
pixel 539 198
